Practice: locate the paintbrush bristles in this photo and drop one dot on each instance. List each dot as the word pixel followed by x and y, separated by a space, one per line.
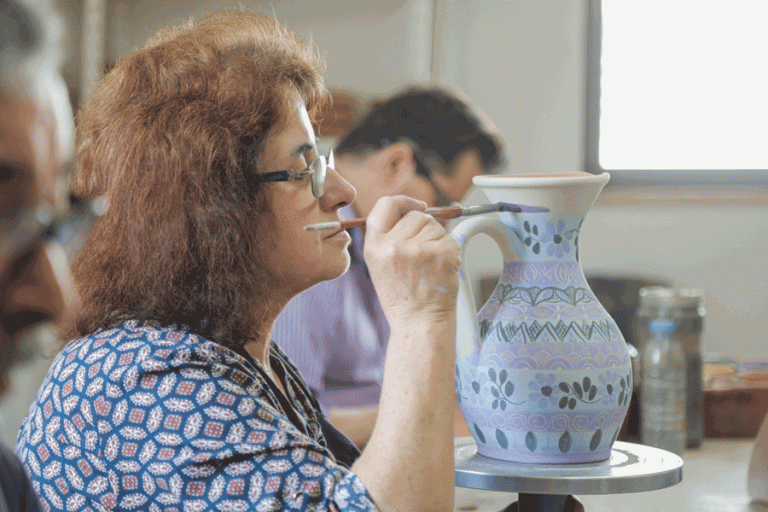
pixel 323 226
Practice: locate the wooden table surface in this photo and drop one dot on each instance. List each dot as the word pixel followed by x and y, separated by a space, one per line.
pixel 714 480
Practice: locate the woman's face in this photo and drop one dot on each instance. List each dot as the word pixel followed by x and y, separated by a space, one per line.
pixel 299 259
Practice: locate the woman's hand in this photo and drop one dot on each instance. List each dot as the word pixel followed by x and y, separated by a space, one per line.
pixel 413 261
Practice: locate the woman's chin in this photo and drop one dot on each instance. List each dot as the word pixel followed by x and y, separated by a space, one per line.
pixel 329 271
pixel 338 270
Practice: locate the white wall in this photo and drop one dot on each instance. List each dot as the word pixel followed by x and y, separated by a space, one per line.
pixel 369 46
pixel 522 63
pixel 719 248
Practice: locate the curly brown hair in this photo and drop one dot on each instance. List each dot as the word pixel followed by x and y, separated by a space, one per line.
pixel 170 137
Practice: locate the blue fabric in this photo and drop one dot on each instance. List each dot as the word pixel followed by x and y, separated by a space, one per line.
pixel 143 417
pixel 16 494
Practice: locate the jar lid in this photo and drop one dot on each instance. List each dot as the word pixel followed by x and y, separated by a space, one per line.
pixel 666 297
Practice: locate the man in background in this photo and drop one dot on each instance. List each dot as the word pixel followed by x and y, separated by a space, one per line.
pixel 36 132
pixel 427 143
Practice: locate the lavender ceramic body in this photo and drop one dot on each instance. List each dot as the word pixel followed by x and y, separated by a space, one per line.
pixel 543 374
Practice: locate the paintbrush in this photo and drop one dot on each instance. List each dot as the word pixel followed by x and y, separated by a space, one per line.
pixel 449 212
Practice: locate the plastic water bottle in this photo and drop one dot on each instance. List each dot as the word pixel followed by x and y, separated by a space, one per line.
pixel 663 391
pixel 685 307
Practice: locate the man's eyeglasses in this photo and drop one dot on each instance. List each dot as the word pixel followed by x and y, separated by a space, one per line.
pixel 424 171
pixel 36 225
pixel 317 171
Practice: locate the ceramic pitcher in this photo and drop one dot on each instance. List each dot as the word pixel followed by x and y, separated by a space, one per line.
pixel 543 374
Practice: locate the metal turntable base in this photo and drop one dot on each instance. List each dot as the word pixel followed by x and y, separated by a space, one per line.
pixel 630 468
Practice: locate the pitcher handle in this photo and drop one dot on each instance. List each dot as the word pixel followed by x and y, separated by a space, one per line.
pixel 467 327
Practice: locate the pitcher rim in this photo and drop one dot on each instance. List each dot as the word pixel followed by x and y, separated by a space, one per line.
pixel 539 180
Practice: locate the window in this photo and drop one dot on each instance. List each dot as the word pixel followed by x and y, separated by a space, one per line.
pixel 677 90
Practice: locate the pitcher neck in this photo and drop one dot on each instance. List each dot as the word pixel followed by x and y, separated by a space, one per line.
pixel 547 238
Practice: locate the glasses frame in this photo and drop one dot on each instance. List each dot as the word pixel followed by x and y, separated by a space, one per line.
pixel 317 170
pixel 38 224
pixel 442 199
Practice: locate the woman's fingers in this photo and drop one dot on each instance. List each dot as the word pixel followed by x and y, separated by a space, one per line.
pixel 412 259
pixel 388 211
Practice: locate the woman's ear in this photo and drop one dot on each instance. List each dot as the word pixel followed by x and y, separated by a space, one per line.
pixel 398 167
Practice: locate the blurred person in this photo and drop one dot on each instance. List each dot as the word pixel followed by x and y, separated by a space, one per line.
pixel 426 142
pixel 36 132
pixel 172 395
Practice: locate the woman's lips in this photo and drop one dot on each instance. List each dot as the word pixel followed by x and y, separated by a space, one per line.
pixel 341 233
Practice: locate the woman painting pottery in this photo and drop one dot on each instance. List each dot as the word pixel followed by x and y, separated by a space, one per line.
pixel 171 394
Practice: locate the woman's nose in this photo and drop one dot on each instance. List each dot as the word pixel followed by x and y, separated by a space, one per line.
pixel 338 191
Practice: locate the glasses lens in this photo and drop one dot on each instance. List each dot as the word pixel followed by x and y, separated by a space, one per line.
pixel 319 168
pixel 31 225
pixel 71 233
pixel 72 230
pixel 38 225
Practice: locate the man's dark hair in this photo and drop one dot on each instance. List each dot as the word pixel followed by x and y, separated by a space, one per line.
pixel 439 123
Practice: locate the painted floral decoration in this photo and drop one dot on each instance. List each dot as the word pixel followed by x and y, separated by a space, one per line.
pixel 554 237
pixel 543 390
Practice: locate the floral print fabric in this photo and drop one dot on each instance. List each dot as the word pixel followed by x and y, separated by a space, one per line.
pixel 144 417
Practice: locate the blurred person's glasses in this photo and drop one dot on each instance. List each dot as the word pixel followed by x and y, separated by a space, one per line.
pixel 36 225
pixel 424 169
pixel 425 172
pixel 317 171
pixel 442 199
pixel 22 231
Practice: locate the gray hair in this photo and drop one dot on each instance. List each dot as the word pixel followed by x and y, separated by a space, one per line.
pixel 30 64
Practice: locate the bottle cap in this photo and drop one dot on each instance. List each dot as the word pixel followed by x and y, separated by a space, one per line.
pixel 668 297
pixel 671 302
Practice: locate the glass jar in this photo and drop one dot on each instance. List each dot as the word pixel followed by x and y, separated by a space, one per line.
pixel 684 307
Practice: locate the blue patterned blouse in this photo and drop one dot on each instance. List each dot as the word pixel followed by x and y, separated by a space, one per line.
pixel 142 417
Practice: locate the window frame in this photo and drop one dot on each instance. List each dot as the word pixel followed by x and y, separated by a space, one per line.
pixel 693 178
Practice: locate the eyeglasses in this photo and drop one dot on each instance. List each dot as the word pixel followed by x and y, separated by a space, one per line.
pixel 38 224
pixel 424 170
pixel 317 171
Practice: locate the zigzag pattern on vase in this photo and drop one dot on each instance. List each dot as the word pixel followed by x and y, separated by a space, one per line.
pixel 543 422
pixel 547 332
pixel 543 273
pixel 552 357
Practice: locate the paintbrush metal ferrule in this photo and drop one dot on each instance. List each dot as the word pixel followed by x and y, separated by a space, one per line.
pixel 489 208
